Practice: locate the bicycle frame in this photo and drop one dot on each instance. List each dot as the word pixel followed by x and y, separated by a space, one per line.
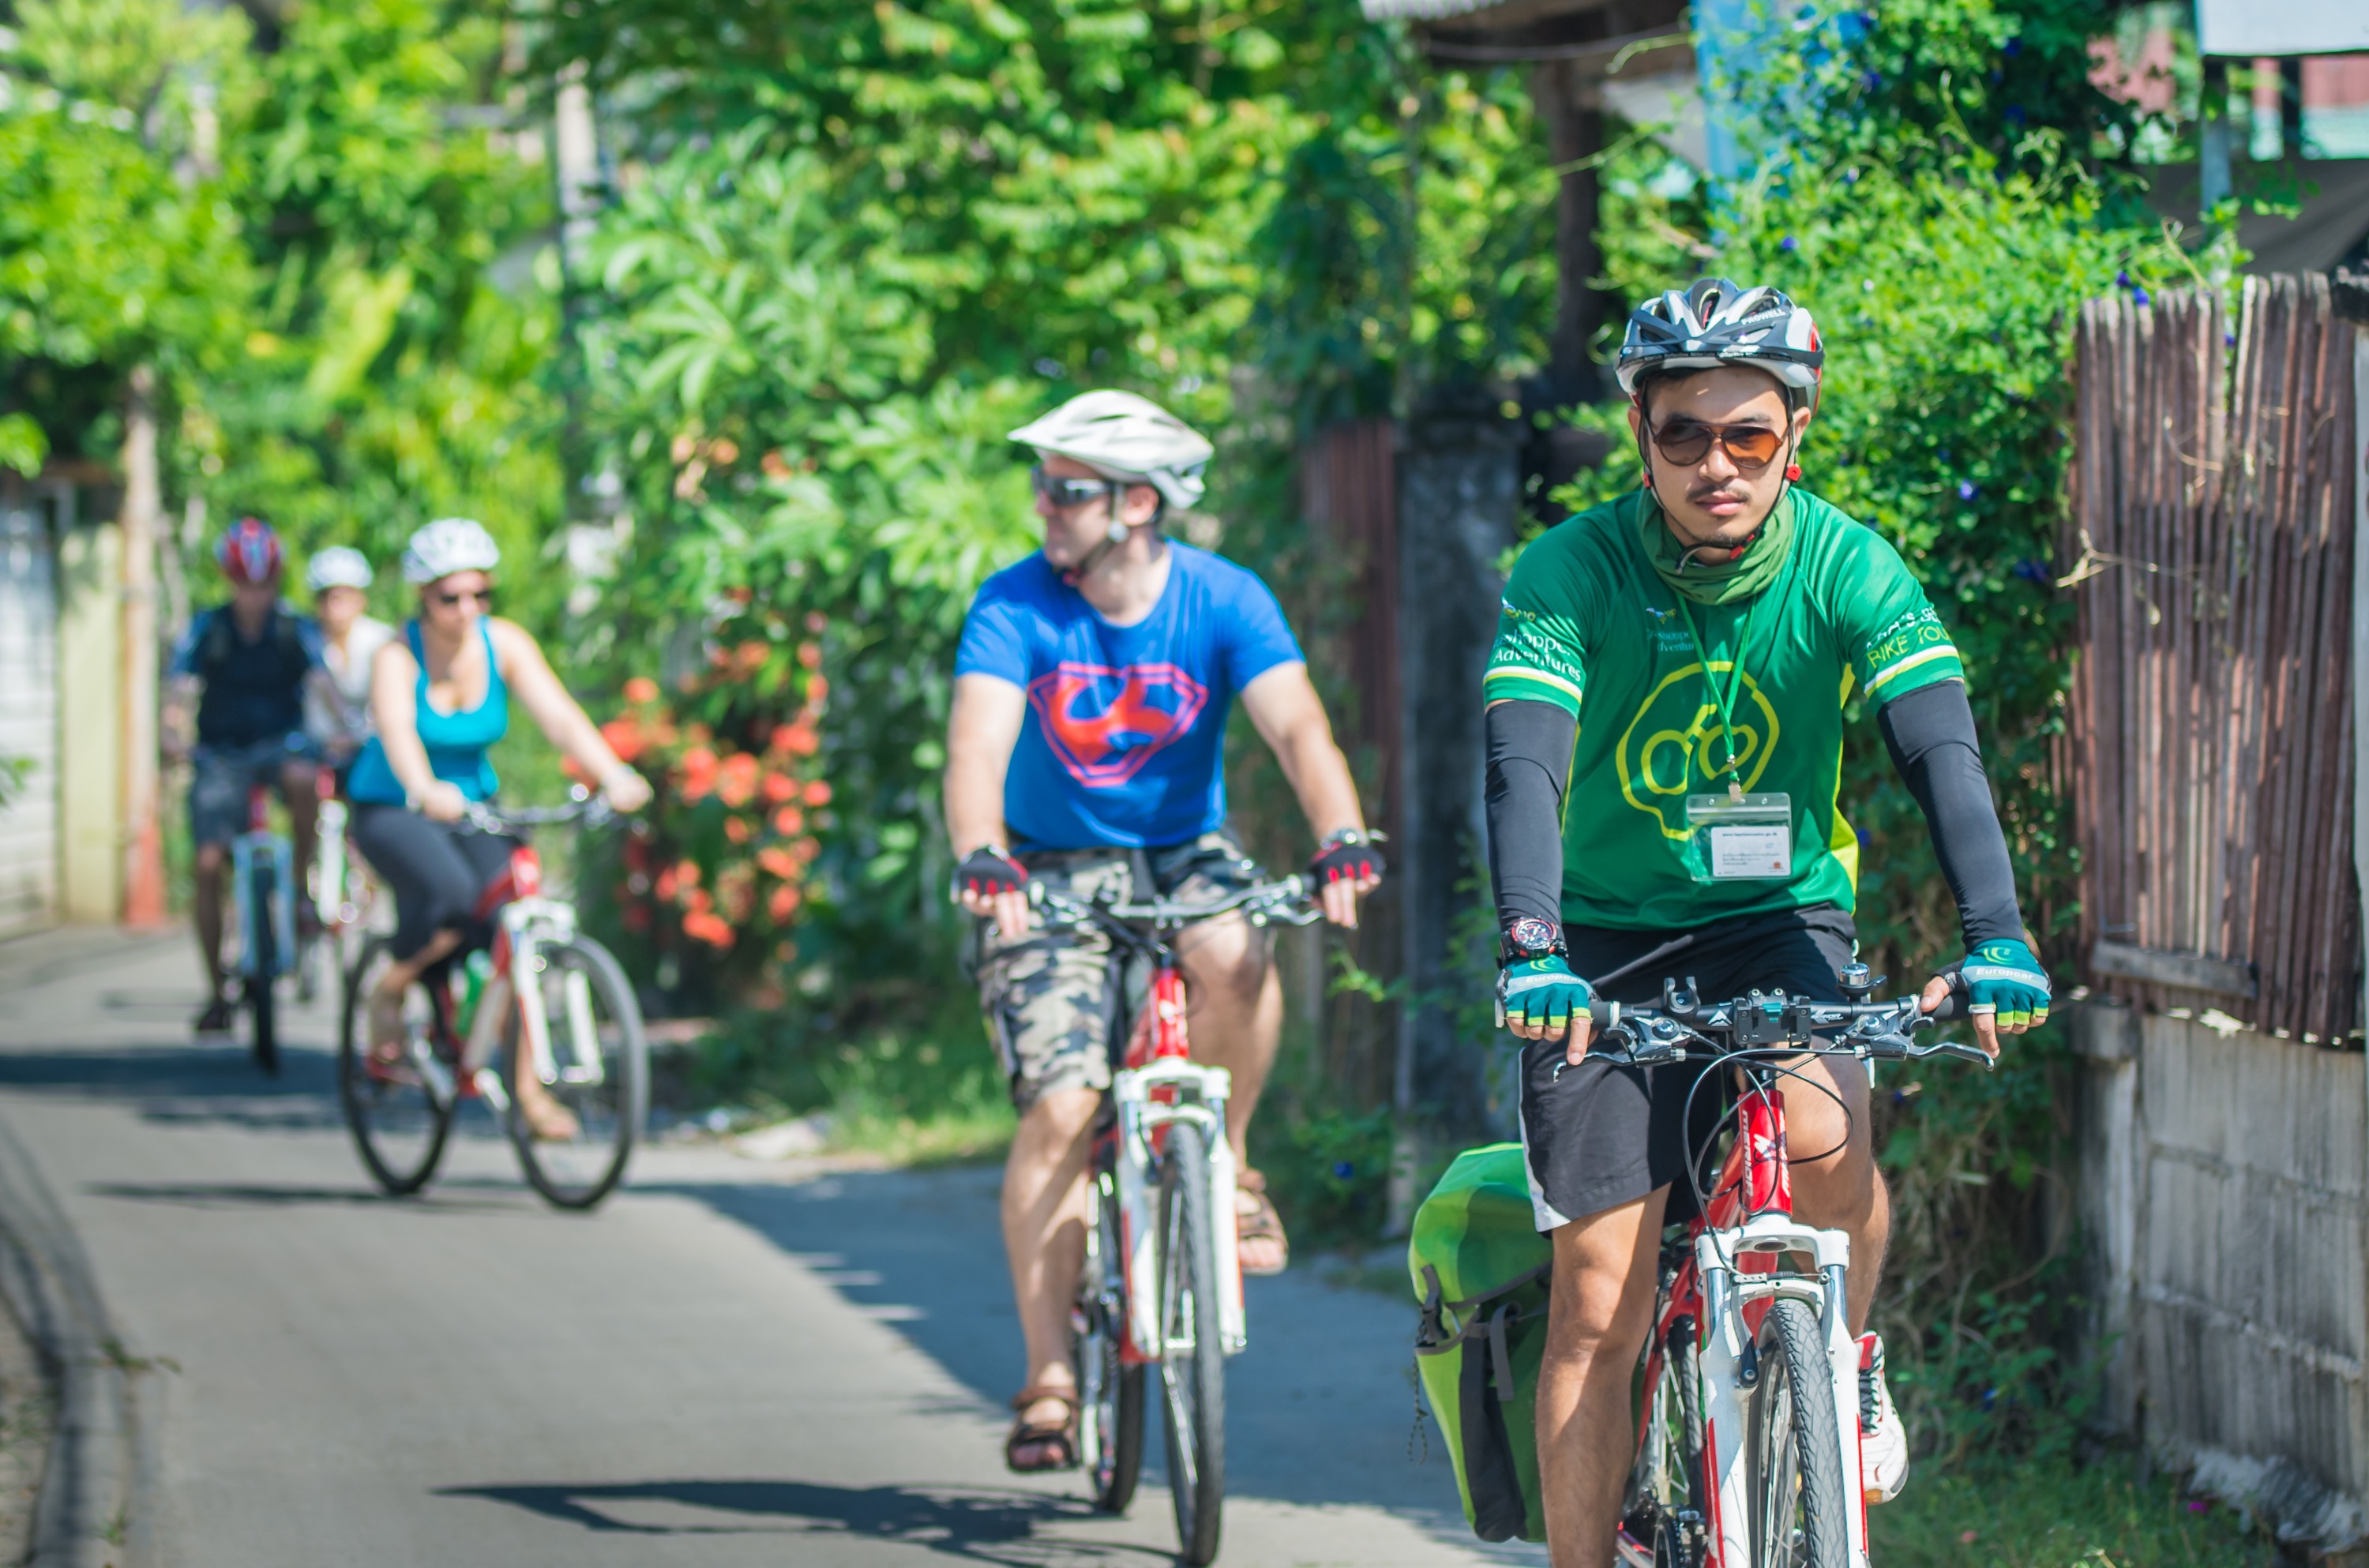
pixel 1733 1271
pixel 524 921
pixel 259 845
pixel 1158 1086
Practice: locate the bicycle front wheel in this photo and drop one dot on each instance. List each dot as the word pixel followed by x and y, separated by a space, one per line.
pixel 1193 1359
pixel 262 966
pixel 595 1077
pixel 1795 1472
pixel 400 1111
pixel 1110 1390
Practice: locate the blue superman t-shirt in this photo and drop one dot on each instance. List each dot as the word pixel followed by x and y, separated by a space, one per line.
pixel 1124 742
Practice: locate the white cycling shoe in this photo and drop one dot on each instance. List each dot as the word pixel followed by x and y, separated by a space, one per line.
pixel 1883 1447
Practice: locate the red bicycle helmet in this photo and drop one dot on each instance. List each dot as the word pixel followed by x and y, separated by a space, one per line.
pixel 249 552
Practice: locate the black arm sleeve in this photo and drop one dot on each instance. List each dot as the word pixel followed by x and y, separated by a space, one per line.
pixel 1930 732
pixel 1529 767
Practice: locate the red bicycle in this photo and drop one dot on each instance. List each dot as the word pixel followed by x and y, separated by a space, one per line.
pixel 1162 1282
pixel 550 1002
pixel 1756 1392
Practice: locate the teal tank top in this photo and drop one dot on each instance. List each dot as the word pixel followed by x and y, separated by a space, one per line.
pixel 456 742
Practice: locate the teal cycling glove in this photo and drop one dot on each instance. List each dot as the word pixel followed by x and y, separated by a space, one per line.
pixel 1541 992
pixel 2004 978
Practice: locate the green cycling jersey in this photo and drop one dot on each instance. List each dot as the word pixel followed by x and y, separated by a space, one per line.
pixel 1684 707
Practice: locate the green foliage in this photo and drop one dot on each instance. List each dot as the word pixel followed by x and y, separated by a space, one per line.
pixel 2052 1514
pixel 388 378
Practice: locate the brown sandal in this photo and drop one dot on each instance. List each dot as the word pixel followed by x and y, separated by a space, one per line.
pixel 1256 1220
pixel 1056 1445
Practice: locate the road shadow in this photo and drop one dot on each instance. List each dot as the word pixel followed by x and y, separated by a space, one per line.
pixel 492 1197
pixel 1321 1409
pixel 974 1524
pixel 215 1083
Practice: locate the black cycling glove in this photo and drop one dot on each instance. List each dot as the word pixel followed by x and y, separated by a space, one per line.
pixel 989 870
pixel 1349 855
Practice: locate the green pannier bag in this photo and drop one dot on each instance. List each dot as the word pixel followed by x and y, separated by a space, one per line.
pixel 1481 1269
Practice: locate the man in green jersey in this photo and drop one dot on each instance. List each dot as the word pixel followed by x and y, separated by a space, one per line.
pixel 1665 711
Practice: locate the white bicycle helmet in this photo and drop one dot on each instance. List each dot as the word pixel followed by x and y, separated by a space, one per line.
pixel 1121 436
pixel 1715 322
pixel 337 566
pixel 447 546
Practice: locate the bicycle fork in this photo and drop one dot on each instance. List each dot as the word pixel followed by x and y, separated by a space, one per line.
pixel 1140 1116
pixel 1737 1267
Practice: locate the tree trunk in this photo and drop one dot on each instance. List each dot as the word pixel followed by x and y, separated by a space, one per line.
pixel 144 855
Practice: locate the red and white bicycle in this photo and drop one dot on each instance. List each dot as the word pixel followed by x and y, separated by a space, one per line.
pixel 1163 1284
pixel 1757 1395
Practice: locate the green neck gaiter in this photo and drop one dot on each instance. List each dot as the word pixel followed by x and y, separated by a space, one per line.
pixel 1725 582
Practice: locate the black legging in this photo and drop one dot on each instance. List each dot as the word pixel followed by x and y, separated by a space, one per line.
pixel 437 871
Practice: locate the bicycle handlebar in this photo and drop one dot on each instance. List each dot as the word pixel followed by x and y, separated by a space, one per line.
pixel 1288 900
pixel 592 810
pixel 1682 1028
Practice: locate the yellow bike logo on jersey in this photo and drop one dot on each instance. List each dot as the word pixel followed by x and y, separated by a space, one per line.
pixel 1673 744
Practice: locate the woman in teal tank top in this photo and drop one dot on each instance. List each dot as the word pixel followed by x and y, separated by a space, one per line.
pixel 441 697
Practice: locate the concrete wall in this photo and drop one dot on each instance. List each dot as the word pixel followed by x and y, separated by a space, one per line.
pixel 90 734
pixel 2223 1187
pixel 29 711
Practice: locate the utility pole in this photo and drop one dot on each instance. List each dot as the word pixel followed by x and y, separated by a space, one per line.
pixel 144 854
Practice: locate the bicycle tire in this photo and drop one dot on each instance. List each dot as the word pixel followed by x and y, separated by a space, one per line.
pixel 1793 1475
pixel 610 1110
pixel 1110 1427
pixel 1193 1358
pixel 399 1123
pixel 261 962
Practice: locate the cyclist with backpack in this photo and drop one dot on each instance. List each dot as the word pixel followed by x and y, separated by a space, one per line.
pixel 1085 748
pixel 1665 712
pixel 240 679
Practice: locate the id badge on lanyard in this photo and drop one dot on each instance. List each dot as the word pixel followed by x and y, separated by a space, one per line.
pixel 1746 837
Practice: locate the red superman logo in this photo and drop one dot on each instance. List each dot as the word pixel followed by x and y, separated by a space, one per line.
pixel 1106 724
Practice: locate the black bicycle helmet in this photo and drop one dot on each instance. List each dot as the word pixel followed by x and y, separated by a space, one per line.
pixel 1715 322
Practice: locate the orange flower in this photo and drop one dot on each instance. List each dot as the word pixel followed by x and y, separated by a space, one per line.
pixel 750 654
pixel 775 466
pixel 788 821
pixel 776 861
pixel 699 901
pixel 810 654
pixel 687 873
pixel 804 848
pixel 784 903
pixel 664 888
pixel 737 782
pixel 736 830
pixel 624 738
pixel 698 773
pixel 819 793
pixel 779 787
pixel 815 621
pixel 684 446
pixel 797 739
pixel 709 928
pixel 641 689
pixel 723 448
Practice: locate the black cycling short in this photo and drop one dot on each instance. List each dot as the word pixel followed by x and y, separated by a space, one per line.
pixel 436 871
pixel 1598 1136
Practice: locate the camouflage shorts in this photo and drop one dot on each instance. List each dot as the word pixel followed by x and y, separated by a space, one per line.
pixel 1053 999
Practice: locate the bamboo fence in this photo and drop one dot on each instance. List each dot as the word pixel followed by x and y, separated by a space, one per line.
pixel 2210 710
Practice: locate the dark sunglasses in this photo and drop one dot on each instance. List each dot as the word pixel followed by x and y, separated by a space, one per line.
pixel 448 598
pixel 1685 442
pixel 1065 492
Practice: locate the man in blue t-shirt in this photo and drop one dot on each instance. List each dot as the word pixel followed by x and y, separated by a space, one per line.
pixel 245 667
pixel 1086 749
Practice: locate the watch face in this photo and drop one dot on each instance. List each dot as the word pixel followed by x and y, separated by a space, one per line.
pixel 1531 936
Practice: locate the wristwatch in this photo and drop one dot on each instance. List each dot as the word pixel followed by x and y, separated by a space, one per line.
pixel 1529 937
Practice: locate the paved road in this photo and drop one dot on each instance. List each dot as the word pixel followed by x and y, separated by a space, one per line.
pixel 731 1363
